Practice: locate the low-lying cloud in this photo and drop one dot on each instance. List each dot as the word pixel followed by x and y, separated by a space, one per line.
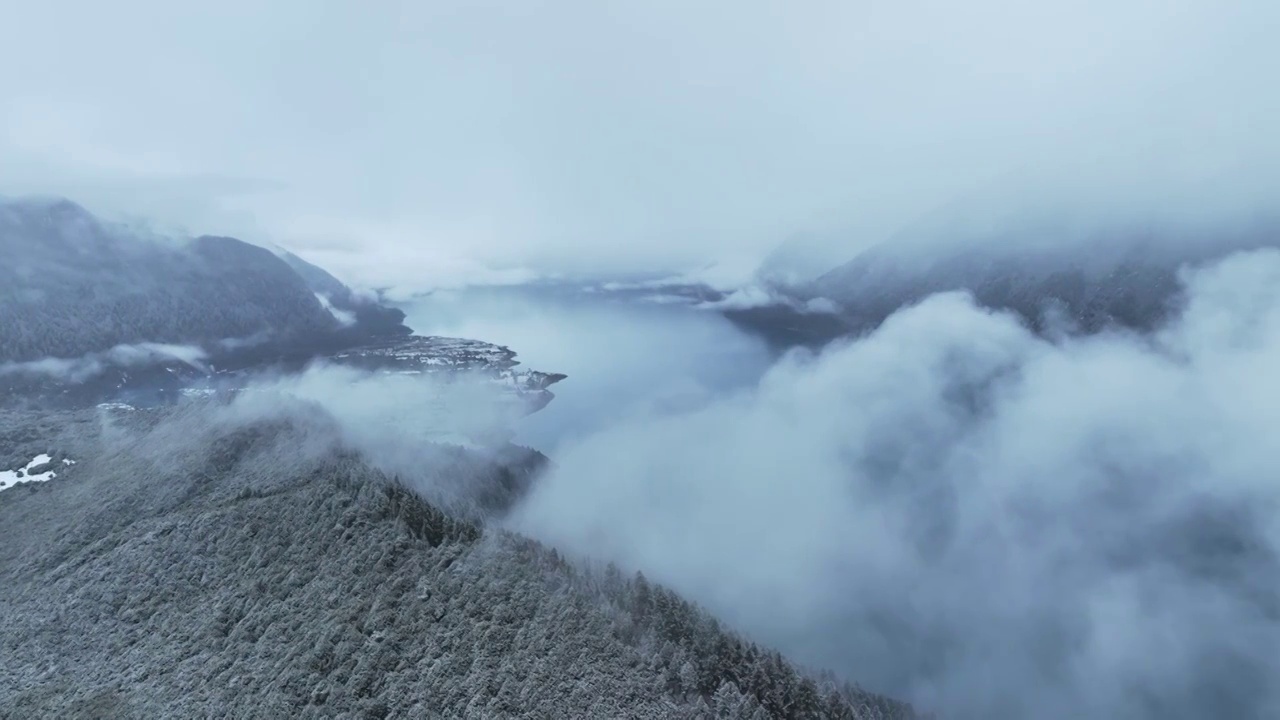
pixel 389 412
pixel 345 318
pixel 408 426
pixel 984 521
pixel 757 296
pixel 83 368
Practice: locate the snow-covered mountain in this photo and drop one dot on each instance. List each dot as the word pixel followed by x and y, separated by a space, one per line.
pixel 200 561
pixel 73 285
pixel 1055 277
pixel 92 312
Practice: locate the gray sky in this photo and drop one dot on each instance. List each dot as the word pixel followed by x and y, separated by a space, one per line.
pixel 414 142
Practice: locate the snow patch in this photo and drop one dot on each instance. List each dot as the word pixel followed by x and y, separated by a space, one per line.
pixel 10 478
pixel 116 407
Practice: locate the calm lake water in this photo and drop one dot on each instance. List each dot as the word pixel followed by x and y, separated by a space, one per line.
pixel 624 356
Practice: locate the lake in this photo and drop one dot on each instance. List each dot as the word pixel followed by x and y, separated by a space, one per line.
pixel 625 355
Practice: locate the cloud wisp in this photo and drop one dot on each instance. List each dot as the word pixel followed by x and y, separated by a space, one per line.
pixel 76 370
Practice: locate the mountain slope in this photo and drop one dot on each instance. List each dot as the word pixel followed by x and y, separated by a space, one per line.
pixel 371 318
pixel 1046 274
pixel 195 562
pixel 73 285
pixel 1055 276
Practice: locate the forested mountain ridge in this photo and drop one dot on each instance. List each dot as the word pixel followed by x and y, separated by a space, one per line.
pixel 72 285
pixel 1054 277
pixel 195 561
pixel 1121 280
pixel 371 318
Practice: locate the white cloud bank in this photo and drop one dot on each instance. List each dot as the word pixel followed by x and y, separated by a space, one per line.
pixel 987 522
pixel 393 417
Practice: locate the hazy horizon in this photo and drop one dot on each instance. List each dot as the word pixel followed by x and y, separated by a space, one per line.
pixel 419 145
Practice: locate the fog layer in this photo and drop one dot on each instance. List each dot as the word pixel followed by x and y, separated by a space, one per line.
pixel 87 366
pixel 978 519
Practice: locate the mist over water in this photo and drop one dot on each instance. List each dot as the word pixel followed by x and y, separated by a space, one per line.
pixel 626 359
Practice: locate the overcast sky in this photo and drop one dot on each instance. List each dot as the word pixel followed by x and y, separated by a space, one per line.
pixel 394 141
